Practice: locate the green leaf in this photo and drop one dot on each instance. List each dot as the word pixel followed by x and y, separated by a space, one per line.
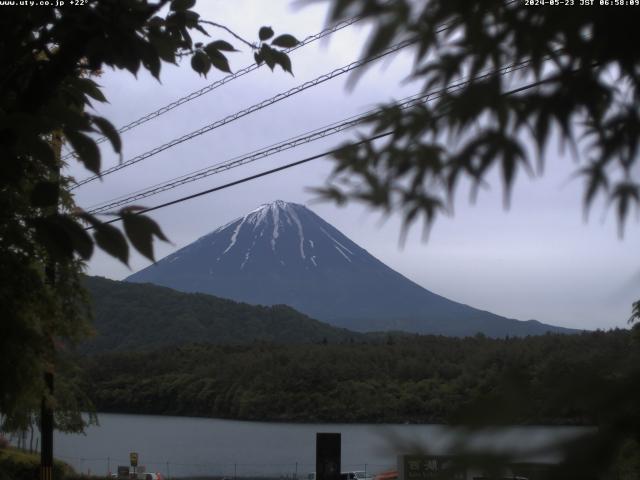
pixel 45 194
pixel 201 30
pixel 222 45
pixel 266 53
pixel 258 58
pixel 88 218
pixel 191 19
pixel 635 312
pixel 150 58
pixel 62 235
pixel 285 41
pixel 86 149
pixel 54 238
pixel 109 131
pixel 283 60
pixel 200 63
pixel 130 60
pixel 377 42
pixel 71 117
pixel 218 60
pixel 74 97
pixel 180 5
pixel 164 47
pixel 626 194
pixel 112 241
pixel 89 87
pixel 155 23
pixel 40 150
pixel 596 180
pixel 80 239
pixel 140 230
pixel 265 33
pixel 187 42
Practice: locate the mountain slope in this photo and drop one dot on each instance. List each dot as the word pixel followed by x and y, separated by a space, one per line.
pixel 130 316
pixel 283 253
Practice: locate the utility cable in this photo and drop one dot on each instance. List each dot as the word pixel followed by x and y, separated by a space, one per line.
pixel 242 113
pixel 231 163
pixel 293 142
pixel 304 160
pixel 218 83
pixel 252 177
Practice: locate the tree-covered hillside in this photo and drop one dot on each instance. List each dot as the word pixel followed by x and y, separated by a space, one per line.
pixel 130 316
pixel 545 379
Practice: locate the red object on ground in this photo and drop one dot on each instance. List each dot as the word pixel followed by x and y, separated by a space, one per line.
pixel 388 475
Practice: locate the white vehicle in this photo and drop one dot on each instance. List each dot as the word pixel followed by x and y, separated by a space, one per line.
pixel 362 475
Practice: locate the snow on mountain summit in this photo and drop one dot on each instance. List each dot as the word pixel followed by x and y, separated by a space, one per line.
pixel 294 234
pixel 283 253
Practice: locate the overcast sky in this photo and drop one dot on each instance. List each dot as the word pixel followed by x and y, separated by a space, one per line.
pixel 538 260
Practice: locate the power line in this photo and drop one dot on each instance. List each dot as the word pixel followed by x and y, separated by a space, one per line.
pixel 252 177
pixel 222 81
pixel 229 164
pixel 290 143
pixel 242 113
pixel 304 160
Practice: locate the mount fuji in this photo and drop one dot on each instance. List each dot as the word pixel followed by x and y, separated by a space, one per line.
pixel 283 253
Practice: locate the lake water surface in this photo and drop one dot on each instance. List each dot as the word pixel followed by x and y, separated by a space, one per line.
pixel 185 446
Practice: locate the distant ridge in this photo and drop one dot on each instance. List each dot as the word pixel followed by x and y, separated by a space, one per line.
pixel 283 253
pixel 140 317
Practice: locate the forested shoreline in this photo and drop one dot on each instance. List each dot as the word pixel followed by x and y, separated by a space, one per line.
pixel 549 379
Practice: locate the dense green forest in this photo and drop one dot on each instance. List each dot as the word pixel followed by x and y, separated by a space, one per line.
pixel 550 379
pixel 131 316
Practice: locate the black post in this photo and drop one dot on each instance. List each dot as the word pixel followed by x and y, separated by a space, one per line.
pixel 328 453
pixel 46 413
pixel 46 431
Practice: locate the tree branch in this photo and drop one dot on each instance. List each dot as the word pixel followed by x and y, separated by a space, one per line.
pixel 253 46
pixel 635 315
